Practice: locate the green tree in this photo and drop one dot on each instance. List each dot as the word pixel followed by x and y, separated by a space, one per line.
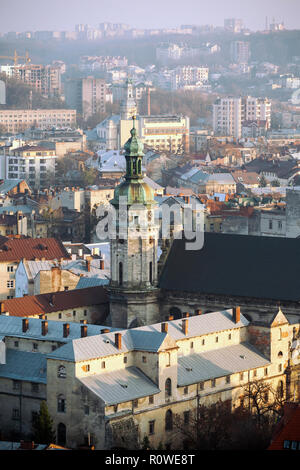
pixel 43 426
pixel 262 182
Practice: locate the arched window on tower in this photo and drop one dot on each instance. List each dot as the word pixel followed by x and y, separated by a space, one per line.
pixel 139 166
pixel 121 273
pixel 168 388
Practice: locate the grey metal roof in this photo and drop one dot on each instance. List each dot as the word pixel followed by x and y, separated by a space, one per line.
pixel 120 386
pixel 103 345
pixel 85 281
pixel 23 365
pixel 145 338
pixel 218 363
pixel 199 325
pixel 8 185
pixel 12 326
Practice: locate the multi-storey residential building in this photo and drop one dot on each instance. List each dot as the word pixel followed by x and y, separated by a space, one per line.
pixel 86 95
pixel 229 114
pixel 44 78
pixel 256 109
pixel 188 75
pixel 35 164
pixel 240 52
pixel 16 120
pixel 233 25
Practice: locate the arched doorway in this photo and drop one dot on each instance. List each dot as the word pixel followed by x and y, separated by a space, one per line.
pixel 175 312
pixel 61 434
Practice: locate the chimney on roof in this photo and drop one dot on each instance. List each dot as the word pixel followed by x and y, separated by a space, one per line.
pixel 66 330
pixel 164 327
pixel 171 317
pixel 105 330
pixel 198 311
pixel 29 445
pixel 185 325
pixel 118 340
pixel 236 314
pixel 25 325
pixel 44 327
pixel 101 263
pixel 2 307
pixel 88 265
pixel 83 329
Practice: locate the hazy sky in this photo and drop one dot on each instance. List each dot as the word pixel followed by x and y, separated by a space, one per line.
pixel 22 15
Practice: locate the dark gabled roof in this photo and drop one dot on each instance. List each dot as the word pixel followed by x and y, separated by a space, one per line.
pixel 237 265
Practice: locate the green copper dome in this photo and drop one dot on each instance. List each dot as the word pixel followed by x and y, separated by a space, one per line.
pixel 134 187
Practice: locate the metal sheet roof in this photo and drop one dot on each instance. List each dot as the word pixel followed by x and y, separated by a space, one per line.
pixel 12 326
pixel 23 365
pixel 103 345
pixel 120 386
pixel 220 362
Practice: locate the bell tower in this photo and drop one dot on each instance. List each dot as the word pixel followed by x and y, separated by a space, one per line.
pixel 133 290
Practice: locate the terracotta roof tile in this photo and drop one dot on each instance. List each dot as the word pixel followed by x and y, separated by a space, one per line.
pixel 53 302
pixel 289 429
pixel 15 249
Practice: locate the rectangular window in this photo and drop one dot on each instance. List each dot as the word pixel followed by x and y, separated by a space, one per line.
pixel 213 382
pixel 151 427
pixel 135 403
pixel 186 390
pixel 229 336
pixel 186 417
pixel 16 413
pixel 35 346
pixel 201 385
pixel 144 359
pixel 228 379
pixel 151 400
pixel 16 385
pixel 16 344
pixel 86 410
pixel 10 269
pixel 125 360
pixel 103 365
pixel 266 371
pixel 35 387
pixel 10 284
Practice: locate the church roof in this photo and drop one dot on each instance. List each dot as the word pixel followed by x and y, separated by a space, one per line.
pixel 237 265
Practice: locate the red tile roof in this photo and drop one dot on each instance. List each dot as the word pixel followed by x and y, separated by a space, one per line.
pixel 17 248
pixel 54 302
pixel 289 427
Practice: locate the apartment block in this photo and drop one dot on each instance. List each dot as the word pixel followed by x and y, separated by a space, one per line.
pixel 240 52
pixel 230 113
pixel 37 165
pixel 17 120
pixel 86 95
pixel 46 79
